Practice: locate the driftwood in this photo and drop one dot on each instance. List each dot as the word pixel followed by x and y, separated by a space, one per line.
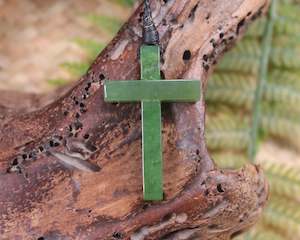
pixel 45 144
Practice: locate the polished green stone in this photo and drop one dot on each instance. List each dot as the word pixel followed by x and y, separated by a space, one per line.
pixel 150 63
pixel 151 127
pixel 152 150
pixel 151 91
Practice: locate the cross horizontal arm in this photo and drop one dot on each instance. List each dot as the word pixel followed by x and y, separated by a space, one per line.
pixel 158 90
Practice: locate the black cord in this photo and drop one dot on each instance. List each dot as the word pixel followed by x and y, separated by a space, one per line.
pixel 150 33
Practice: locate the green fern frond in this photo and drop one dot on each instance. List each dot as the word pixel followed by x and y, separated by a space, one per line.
pixel 256 29
pixel 249 47
pixel 284 180
pixel 287 58
pixel 277 107
pixel 106 23
pixel 291 210
pixel 235 139
pixel 127 3
pixel 286 40
pixel 282 128
pixel 282 220
pixel 281 93
pixel 92 47
pixel 284 25
pixel 238 90
pixel 227 132
pixel 233 89
pixel 57 82
pixel 239 63
pixel 226 120
pixel 75 68
pixel 262 231
pixel 288 78
pixel 279 110
pixel 262 73
pixel 231 96
pixel 227 80
pixel 289 10
pixel 230 160
pixel 265 234
pixel 290 2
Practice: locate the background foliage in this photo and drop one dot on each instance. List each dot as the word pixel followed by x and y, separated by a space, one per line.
pixel 254 95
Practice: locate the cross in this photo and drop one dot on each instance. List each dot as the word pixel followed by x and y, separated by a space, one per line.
pixel 151 91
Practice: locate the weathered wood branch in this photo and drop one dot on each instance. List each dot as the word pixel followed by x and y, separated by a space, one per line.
pixel 44 145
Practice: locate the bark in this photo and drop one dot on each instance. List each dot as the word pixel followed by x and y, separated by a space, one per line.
pixel 45 145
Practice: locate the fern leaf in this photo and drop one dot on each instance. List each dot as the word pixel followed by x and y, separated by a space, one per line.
pixel 235 139
pixel 234 89
pixel 227 132
pixel 227 120
pixel 282 128
pixel 92 47
pixel 291 210
pixel 284 25
pixel 106 23
pixel 267 235
pixel 231 96
pixel 279 110
pixel 285 40
pixel 127 3
pixel 282 93
pixel 283 179
pixel 75 68
pixel 287 58
pixel 256 29
pixel 262 231
pixel 290 11
pixel 249 47
pixel 288 78
pixel 239 63
pixel 234 85
pixel 261 79
pixel 230 160
pixel 242 81
pixel 57 82
pixel 282 220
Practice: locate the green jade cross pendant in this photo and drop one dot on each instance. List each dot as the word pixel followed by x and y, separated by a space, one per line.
pixel 151 91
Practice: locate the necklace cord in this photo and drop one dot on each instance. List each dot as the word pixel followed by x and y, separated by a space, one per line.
pixel 150 33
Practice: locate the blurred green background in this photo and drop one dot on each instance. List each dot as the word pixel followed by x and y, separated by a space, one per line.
pixel 253 98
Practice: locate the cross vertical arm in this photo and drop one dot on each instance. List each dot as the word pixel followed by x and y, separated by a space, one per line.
pixel 151 124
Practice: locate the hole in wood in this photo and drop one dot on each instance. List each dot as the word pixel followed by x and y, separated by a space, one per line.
pixel 187 55
pixel 220 188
